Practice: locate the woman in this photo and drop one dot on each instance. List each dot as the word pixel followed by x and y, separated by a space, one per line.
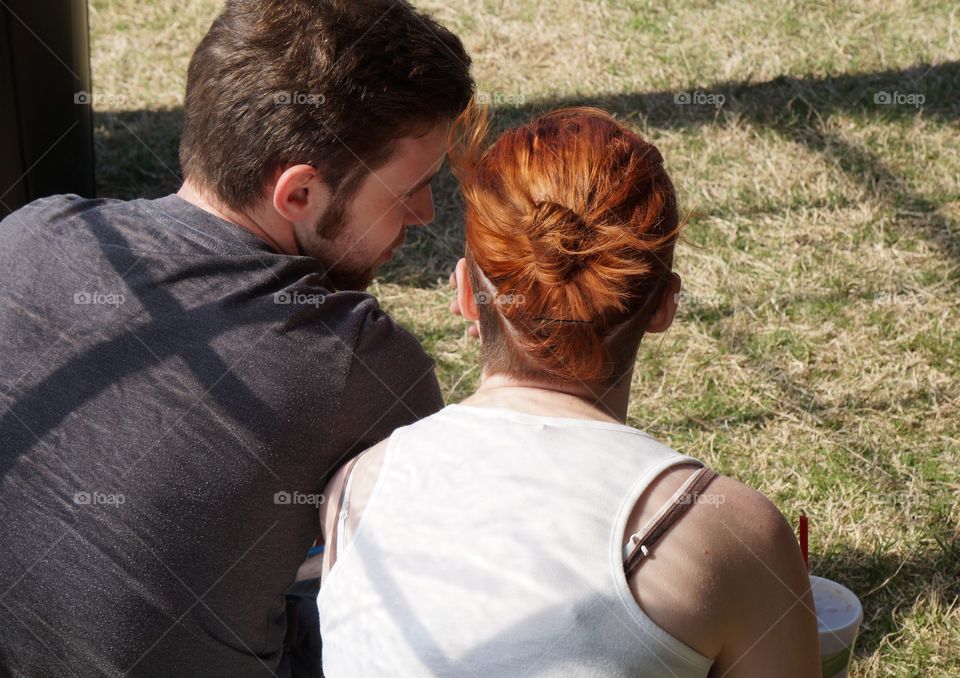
pixel 518 533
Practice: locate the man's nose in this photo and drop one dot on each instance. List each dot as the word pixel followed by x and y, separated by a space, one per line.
pixel 420 210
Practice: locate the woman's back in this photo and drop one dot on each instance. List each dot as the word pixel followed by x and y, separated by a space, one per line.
pixel 490 546
pixel 485 541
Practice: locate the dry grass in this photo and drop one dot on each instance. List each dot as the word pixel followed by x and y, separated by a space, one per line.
pixel 817 352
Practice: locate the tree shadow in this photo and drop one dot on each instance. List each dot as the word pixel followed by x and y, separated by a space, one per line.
pixel 123 353
pixel 137 153
pixel 137 150
pixel 797 109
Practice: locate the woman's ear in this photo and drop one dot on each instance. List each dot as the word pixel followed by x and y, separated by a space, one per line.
pixel 662 318
pixel 465 298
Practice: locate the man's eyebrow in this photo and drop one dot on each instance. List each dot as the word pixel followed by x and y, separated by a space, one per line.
pixel 423 182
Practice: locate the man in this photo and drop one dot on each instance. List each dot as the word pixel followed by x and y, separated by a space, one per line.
pixel 181 375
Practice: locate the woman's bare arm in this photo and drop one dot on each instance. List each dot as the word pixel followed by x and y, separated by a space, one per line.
pixel 772 630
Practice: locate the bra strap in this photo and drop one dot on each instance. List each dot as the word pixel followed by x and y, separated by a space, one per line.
pixel 639 544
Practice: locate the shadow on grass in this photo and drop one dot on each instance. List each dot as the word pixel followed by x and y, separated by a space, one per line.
pixel 888 586
pixel 137 151
pixel 798 109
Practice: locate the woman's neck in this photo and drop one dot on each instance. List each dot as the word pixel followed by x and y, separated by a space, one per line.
pixel 577 400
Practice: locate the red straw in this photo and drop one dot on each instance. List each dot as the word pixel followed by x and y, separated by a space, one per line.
pixel 803 541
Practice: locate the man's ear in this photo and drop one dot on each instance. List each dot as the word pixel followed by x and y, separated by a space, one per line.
pixel 662 318
pixel 465 298
pixel 300 195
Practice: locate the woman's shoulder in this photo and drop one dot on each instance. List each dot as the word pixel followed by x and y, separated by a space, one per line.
pixel 729 548
pixel 765 600
pixel 363 471
pixel 728 514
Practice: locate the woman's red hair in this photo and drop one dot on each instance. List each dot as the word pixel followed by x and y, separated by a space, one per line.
pixel 572 221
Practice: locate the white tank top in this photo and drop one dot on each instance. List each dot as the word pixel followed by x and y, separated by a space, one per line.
pixel 491 545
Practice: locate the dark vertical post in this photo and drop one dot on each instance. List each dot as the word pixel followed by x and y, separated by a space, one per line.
pixel 46 112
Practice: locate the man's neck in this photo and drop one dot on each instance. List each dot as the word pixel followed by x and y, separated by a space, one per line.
pixel 280 240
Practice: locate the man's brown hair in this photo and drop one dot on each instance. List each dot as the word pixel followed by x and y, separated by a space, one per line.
pixel 329 83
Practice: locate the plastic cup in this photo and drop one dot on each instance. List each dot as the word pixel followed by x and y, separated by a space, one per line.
pixel 839 614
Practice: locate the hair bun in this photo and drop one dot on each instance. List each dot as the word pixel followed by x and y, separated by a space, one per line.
pixel 558 236
pixel 574 216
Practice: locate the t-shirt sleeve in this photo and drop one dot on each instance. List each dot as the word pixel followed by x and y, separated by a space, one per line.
pixel 391 383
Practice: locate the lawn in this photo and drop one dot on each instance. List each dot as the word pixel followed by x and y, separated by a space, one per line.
pixel 817 350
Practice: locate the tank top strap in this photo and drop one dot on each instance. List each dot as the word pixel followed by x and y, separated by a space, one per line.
pixel 343 509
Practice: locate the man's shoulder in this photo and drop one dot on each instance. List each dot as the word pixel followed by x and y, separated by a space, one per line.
pixel 390 374
pixel 376 330
pixel 52 209
pixel 71 223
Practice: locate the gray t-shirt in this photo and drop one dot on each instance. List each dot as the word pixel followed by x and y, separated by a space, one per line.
pixel 173 395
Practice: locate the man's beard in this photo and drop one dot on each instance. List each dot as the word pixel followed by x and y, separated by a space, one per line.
pixel 339 273
pixel 348 279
